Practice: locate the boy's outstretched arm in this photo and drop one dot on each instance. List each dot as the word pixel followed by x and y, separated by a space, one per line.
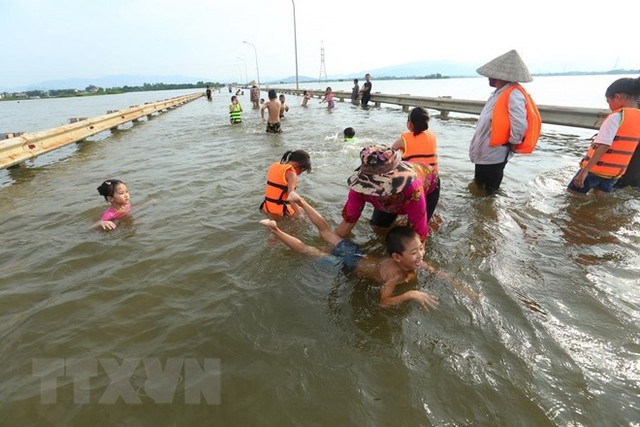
pixel 452 281
pixel 391 279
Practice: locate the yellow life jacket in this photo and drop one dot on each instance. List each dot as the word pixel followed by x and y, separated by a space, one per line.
pixel 420 148
pixel 614 162
pixel 275 195
pixel 235 111
pixel 501 125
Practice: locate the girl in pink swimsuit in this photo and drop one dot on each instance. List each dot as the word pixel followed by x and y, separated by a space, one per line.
pixel 117 194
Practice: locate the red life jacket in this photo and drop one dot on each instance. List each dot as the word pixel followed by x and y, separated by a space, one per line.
pixel 275 194
pixel 420 148
pixel 614 162
pixel 501 125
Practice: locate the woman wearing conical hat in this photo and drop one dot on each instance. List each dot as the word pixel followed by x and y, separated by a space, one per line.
pixel 508 122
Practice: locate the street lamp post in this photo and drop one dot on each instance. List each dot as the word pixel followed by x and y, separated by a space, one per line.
pixel 246 79
pixel 295 41
pixel 256 53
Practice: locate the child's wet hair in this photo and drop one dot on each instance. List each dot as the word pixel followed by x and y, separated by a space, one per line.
pixel 349 132
pixel 108 187
pixel 419 117
pixel 397 237
pixel 233 98
pixel 299 156
pixel 272 94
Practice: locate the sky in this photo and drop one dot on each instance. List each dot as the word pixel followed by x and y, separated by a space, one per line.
pixel 46 40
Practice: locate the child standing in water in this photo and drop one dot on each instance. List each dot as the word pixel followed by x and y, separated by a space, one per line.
pixel 117 194
pixel 282 179
pixel 419 146
pixel 328 97
pixel 284 108
pixel 305 98
pixel 614 145
pixel 273 107
pixel 235 111
pixel 349 134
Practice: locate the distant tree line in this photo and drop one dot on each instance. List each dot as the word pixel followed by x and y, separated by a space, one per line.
pixel 94 90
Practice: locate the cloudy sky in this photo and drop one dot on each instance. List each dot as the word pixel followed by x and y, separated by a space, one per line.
pixel 57 39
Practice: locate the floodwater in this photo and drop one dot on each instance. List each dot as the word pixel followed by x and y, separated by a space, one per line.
pixel 280 339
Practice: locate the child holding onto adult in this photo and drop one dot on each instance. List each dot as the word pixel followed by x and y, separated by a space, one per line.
pixel 117 194
pixel 283 106
pixel 349 134
pixel 614 145
pixel 282 180
pixel 305 98
pixel 273 107
pixel 405 258
pixel 418 145
pixel 235 111
pixel 328 98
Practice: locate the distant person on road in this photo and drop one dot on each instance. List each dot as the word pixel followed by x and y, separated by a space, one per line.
pixel 235 111
pixel 354 92
pixel 508 120
pixel 419 146
pixel 283 106
pixel 328 98
pixel 117 194
pixel 615 144
pixel 273 107
pixel 254 96
pixel 365 92
pixel 305 98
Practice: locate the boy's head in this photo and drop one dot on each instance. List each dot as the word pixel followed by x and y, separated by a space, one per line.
pixel 349 132
pixel 234 98
pixel 405 247
pixel 272 94
pixel 281 98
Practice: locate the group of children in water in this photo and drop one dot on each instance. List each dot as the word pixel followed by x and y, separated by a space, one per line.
pixel 404 246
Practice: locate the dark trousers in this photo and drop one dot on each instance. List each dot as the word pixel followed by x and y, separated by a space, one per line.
pixel 489 177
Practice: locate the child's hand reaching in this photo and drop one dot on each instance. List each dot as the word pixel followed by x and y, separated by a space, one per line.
pixel 105 225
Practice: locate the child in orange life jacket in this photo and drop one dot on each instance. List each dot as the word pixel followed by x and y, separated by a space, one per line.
pixel 614 145
pixel 117 194
pixel 282 179
pixel 419 146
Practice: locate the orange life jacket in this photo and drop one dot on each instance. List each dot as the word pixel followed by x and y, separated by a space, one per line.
pixel 501 125
pixel 275 195
pixel 614 162
pixel 420 148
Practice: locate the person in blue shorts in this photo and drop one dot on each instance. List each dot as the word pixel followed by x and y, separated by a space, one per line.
pixel 403 244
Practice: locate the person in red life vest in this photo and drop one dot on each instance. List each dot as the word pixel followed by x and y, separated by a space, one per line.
pixel 509 121
pixel 614 144
pixel 282 179
pixel 419 146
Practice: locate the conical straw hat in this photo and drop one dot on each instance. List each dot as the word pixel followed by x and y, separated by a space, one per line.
pixel 508 67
